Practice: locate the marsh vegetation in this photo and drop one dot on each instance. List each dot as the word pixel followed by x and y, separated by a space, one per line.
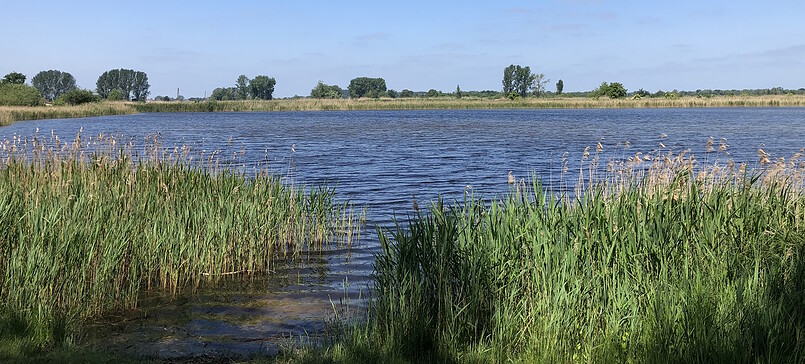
pixel 90 224
pixel 642 257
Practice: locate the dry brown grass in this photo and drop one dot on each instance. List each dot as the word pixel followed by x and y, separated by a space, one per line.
pixel 10 114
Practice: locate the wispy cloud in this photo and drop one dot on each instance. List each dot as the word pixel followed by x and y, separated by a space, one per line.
pixel 371 38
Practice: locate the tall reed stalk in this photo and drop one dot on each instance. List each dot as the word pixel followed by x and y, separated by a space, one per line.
pixel 87 226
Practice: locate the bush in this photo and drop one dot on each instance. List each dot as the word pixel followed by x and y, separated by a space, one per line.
pixel 324 91
pixel 115 95
pixel 613 90
pixel 13 94
pixel 78 97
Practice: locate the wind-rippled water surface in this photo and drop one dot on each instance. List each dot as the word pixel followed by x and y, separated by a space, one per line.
pixel 383 160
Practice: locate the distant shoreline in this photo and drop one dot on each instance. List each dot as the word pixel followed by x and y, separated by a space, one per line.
pixel 9 115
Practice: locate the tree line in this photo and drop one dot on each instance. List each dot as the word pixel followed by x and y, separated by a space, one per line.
pixel 58 87
pixel 259 88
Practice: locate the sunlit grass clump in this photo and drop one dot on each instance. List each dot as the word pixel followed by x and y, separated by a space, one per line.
pixel 657 260
pixel 87 226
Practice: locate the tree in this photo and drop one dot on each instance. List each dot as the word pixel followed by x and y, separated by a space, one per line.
pixel 126 83
pixel 16 94
pixel 616 91
pixel 13 78
pixel 559 86
pixel 518 79
pixel 539 84
pixel 53 83
pixel 523 80
pixel 406 93
pixel 140 86
pixel 324 91
pixel 224 93
pixel 366 87
pixel 262 87
pixel 107 82
pixel 432 93
pixel 242 87
pixel 508 79
pixel 392 93
pixel 458 92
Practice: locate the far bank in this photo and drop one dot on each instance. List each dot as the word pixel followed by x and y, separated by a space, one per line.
pixel 10 115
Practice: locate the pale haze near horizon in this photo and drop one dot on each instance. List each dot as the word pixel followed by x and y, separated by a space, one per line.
pixel 198 46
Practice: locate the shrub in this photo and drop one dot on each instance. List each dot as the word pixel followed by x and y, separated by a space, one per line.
pixel 13 94
pixel 614 90
pixel 115 95
pixel 78 97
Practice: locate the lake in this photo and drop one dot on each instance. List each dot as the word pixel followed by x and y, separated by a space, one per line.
pixel 383 160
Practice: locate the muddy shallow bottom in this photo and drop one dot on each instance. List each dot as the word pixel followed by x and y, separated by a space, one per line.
pixel 296 304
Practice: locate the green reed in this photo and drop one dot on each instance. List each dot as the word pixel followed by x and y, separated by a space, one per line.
pixel 87 226
pixel 662 264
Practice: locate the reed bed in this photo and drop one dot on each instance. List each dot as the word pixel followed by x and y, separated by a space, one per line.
pixel 466 103
pixel 10 114
pixel 655 260
pixel 88 225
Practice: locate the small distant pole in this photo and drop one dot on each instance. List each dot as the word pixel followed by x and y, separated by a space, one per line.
pixel 177 93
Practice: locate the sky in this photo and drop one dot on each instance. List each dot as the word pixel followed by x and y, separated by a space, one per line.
pixel 197 46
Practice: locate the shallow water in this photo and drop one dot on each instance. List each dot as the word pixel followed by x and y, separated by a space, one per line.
pixel 383 160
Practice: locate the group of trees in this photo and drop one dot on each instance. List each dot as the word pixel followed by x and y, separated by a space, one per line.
pixel 324 91
pixel 518 81
pixel 123 84
pixel 60 88
pixel 614 90
pixel 367 87
pixel 14 91
pixel 52 85
pixel 260 87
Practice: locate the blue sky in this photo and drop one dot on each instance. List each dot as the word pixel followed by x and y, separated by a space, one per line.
pixel 200 45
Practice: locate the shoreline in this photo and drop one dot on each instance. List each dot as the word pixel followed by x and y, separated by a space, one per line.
pixel 12 114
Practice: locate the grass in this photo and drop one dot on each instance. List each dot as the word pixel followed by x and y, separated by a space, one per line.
pixel 9 115
pixel 662 264
pixel 87 226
